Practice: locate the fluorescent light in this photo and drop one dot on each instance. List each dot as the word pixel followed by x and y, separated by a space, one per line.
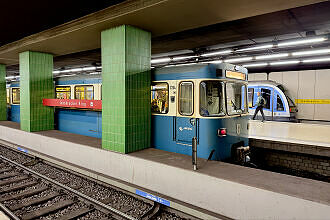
pixel 76 70
pixel 182 64
pixel 266 57
pixel 214 61
pixel 311 52
pixel 317 60
pixel 56 72
pixel 183 58
pixel 67 75
pixel 237 60
pixel 302 41
pixel 216 53
pixel 99 67
pixel 260 47
pixel 94 73
pixel 10 77
pixel 161 60
pixel 89 68
pixel 65 71
pixel 255 64
pixel 287 62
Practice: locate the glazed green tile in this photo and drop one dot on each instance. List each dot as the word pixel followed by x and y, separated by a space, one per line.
pixel 3 93
pixel 36 82
pixel 126 80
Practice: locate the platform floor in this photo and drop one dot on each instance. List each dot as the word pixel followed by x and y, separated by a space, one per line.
pixel 300 133
pixel 226 189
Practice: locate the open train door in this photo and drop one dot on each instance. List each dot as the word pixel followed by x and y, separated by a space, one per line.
pixel 268 94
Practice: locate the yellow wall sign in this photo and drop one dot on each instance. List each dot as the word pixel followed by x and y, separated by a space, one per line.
pixel 312 101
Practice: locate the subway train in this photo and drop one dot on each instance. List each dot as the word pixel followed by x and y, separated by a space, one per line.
pixel 206 101
pixel 278 107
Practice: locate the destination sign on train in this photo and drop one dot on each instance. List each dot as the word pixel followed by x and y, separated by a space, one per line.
pixel 235 75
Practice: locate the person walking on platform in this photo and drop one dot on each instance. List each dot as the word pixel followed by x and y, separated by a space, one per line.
pixel 261 102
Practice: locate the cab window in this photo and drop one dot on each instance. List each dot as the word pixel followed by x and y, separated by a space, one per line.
pixel 266 93
pixel 84 92
pixel 211 98
pixel 159 98
pixel 186 90
pixel 16 96
pixel 251 96
pixel 63 92
pixel 236 96
pixel 279 105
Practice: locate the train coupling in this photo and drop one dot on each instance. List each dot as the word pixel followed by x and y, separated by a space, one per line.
pixel 242 155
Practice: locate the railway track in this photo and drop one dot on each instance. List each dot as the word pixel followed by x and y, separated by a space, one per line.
pixel 33 189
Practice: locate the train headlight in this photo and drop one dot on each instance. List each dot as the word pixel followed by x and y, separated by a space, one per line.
pixel 222 132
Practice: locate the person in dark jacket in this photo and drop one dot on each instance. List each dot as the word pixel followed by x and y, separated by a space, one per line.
pixel 261 102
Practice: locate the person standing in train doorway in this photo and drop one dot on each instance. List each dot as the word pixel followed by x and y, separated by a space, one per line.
pixel 261 102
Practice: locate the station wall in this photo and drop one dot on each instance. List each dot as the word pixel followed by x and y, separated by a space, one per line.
pixel 307 84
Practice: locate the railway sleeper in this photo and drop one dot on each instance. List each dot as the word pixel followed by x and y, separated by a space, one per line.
pixel 6 169
pixel 7 175
pixel 47 210
pixel 76 214
pixel 10 181
pixel 21 186
pixel 24 194
pixel 35 201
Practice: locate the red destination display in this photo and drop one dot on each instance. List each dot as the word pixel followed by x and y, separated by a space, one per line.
pixel 73 103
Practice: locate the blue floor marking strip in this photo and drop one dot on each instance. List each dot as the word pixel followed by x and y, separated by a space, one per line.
pixel 152 197
pixel 24 150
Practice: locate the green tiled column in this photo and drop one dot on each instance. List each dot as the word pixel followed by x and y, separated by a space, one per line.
pixel 126 53
pixel 36 82
pixel 3 93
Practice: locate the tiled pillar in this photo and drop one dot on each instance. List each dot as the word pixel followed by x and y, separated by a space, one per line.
pixel 36 82
pixel 3 93
pixel 126 53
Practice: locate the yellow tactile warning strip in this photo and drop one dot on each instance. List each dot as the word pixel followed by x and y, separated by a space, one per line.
pixel 312 101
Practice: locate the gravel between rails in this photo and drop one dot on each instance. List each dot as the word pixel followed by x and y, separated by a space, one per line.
pixel 117 199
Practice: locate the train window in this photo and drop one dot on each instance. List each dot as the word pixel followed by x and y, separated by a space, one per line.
pixel 211 98
pixel 266 93
pixel 84 92
pixel 279 105
pixel 63 92
pixel 159 98
pixel 236 98
pixel 186 90
pixel 250 96
pixel 16 96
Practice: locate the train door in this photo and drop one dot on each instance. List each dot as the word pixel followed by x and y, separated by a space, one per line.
pixel 279 106
pixel 186 123
pixel 267 94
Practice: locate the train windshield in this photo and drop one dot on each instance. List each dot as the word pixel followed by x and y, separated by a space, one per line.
pixel 236 98
pixel 211 98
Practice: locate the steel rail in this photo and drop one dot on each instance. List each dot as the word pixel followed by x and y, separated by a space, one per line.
pixel 117 212
pixel 8 212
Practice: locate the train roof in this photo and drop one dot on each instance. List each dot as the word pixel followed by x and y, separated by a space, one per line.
pixel 195 71
pixel 265 82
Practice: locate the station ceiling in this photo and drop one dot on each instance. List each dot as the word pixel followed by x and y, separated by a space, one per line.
pixel 175 25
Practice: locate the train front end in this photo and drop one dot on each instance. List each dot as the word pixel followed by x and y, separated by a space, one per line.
pixel 208 102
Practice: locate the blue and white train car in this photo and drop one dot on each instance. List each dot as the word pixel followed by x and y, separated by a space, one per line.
pixel 205 101
pixel 278 106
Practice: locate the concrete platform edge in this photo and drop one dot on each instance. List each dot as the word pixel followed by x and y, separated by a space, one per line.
pixel 224 197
